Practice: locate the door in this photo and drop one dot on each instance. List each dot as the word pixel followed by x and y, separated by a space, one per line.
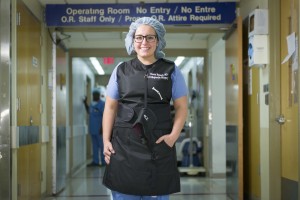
pixel 29 102
pixel 234 111
pixel 289 103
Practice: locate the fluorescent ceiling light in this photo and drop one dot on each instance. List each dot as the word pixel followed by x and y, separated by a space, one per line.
pixel 97 65
pixel 179 60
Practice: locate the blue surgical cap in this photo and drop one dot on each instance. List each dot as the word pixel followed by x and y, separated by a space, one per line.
pixel 159 29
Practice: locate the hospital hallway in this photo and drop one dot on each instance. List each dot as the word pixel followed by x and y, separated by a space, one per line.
pixel 86 184
pixel 239 60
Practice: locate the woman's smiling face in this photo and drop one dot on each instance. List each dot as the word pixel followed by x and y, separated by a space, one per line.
pixel 145 49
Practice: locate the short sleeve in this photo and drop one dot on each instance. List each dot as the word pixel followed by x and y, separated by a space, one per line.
pixel 179 87
pixel 112 87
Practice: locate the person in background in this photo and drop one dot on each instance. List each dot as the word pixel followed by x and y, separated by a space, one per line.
pixel 139 134
pixel 95 111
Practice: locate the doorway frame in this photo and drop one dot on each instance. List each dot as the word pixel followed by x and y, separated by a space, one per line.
pixel 274 127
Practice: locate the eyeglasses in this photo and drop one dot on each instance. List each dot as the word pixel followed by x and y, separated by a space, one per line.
pixel 140 38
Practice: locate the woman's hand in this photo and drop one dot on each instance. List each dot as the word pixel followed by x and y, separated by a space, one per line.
pixel 168 140
pixel 180 106
pixel 107 151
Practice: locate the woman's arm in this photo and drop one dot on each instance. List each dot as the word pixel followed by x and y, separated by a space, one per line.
pixel 109 114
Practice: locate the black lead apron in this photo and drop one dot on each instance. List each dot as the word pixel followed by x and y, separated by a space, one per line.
pixel 135 168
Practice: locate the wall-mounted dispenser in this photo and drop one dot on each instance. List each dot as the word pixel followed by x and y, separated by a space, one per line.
pixel 258 48
pixel 258 53
pixel 258 23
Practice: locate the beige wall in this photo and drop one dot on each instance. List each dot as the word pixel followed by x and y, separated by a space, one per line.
pixel 246 6
pixel 77 139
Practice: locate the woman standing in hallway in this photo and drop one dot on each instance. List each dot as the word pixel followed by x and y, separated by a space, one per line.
pixel 139 134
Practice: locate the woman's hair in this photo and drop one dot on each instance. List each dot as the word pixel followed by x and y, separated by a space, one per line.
pixel 160 32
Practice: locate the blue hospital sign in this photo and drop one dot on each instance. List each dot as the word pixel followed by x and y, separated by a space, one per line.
pixel 124 14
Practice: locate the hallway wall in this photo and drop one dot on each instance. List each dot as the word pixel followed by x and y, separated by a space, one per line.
pixel 79 73
pixel 5 100
pixel 217 106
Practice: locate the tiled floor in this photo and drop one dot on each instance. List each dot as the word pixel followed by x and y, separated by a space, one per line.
pixel 87 185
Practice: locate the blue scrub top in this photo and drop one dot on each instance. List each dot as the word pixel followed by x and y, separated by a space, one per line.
pixel 179 87
pixel 95 119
